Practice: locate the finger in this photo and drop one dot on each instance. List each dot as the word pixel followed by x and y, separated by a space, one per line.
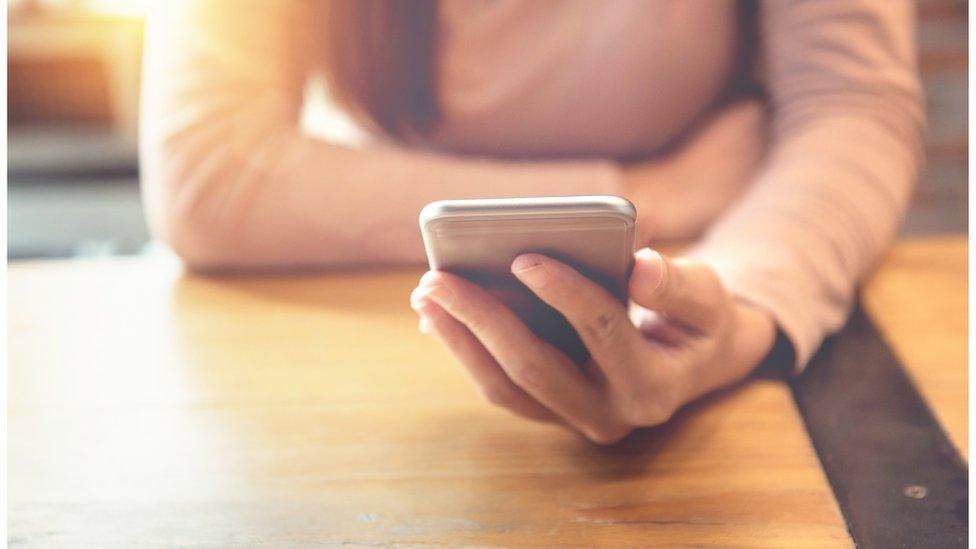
pixel 655 327
pixel 535 366
pixel 487 374
pixel 687 292
pixel 600 319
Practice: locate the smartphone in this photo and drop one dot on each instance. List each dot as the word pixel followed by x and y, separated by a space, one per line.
pixel 478 240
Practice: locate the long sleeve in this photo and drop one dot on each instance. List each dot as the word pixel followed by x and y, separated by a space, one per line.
pixel 230 180
pixel 846 124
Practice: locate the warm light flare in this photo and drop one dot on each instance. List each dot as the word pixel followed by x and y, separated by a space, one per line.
pixel 126 8
pixel 111 8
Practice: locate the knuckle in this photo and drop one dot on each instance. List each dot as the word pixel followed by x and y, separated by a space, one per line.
pixel 530 376
pixel 650 416
pixel 435 317
pixel 498 396
pixel 608 434
pixel 604 327
pixel 480 319
pixel 646 408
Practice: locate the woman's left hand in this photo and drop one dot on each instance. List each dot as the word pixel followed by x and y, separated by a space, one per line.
pixel 690 337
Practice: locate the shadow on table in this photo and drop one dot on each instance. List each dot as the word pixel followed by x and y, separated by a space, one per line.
pixel 298 304
pixel 636 454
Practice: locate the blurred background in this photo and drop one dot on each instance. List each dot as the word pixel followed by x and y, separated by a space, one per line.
pixel 73 86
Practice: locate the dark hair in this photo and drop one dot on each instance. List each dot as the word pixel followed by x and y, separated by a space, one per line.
pixel 381 62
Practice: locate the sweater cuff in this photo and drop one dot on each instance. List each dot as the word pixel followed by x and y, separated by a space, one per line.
pixel 756 281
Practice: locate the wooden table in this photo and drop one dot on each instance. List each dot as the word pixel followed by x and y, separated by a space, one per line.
pixel 150 408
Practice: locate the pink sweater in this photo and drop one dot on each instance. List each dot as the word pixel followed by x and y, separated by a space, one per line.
pixel 540 98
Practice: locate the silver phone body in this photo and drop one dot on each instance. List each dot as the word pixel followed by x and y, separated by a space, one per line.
pixel 478 239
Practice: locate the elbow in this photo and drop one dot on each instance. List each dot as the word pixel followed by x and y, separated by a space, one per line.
pixel 202 185
pixel 188 212
pixel 201 243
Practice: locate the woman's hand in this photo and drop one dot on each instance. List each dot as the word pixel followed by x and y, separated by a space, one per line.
pixel 678 195
pixel 690 337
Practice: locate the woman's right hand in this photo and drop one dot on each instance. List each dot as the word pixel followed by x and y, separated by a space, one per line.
pixel 679 195
pixel 693 337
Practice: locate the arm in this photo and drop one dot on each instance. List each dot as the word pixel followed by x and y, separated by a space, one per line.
pixel 846 123
pixel 230 180
pixel 679 194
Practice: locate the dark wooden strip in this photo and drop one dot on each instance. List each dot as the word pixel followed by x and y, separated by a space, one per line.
pixel 898 479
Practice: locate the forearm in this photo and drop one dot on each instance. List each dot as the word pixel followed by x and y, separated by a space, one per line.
pixel 281 198
pixel 845 151
pixel 234 183
pixel 231 181
pixel 815 221
pixel 680 194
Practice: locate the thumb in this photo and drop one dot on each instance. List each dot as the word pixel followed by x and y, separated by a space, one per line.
pixel 685 291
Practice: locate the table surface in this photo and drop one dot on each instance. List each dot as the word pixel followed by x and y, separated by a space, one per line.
pixel 147 406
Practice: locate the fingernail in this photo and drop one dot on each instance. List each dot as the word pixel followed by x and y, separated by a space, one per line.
pixel 428 278
pixel 651 270
pixel 647 254
pixel 530 270
pixel 425 308
pixel 418 298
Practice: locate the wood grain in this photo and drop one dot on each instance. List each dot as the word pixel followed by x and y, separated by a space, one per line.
pixel 152 408
pixel 918 297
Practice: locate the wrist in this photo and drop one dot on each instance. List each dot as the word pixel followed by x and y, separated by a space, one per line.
pixel 754 337
pixel 749 340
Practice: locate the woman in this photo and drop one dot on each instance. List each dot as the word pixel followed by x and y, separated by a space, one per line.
pixel 789 200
